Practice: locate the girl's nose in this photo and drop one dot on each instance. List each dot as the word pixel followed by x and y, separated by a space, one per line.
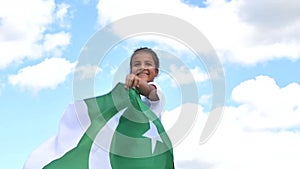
pixel 141 67
pixel 140 70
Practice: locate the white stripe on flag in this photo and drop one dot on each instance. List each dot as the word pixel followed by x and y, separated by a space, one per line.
pixel 71 129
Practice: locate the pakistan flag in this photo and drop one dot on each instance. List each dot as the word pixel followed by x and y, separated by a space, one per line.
pixel 113 131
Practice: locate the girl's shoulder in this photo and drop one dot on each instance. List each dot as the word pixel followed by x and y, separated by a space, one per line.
pixel 155 85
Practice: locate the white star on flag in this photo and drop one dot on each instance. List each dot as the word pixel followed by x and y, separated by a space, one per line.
pixel 153 135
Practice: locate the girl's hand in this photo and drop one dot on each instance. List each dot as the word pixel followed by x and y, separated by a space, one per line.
pixel 132 81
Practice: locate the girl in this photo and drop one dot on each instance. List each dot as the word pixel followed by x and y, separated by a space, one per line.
pixel 144 65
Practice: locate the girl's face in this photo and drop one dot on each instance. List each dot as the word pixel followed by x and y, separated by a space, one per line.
pixel 143 66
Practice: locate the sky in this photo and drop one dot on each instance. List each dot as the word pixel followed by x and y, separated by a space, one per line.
pixel 257 44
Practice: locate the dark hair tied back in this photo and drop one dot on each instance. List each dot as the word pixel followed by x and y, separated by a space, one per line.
pixel 147 50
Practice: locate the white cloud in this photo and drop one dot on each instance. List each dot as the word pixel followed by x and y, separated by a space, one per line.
pixel 260 132
pixel 132 7
pixel 47 74
pixel 266 105
pixel 85 2
pixel 63 14
pixel 113 70
pixel 87 71
pixel 23 24
pixel 268 13
pixel 162 43
pixel 54 43
pixel 236 29
pixel 182 75
pixel 199 75
pixel 205 99
pixel 2 86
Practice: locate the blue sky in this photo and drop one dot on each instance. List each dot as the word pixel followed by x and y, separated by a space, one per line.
pixel 257 43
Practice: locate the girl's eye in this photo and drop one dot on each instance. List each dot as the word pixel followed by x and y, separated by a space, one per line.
pixel 149 64
pixel 136 64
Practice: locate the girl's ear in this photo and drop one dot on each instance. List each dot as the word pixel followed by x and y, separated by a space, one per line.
pixel 156 72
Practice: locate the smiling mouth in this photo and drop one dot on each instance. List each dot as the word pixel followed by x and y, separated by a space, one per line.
pixel 142 73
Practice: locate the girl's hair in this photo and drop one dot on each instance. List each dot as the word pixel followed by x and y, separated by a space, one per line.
pixel 146 50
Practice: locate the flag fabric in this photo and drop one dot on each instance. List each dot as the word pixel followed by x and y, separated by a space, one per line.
pixel 113 131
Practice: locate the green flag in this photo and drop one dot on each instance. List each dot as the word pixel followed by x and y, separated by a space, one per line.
pixel 137 140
